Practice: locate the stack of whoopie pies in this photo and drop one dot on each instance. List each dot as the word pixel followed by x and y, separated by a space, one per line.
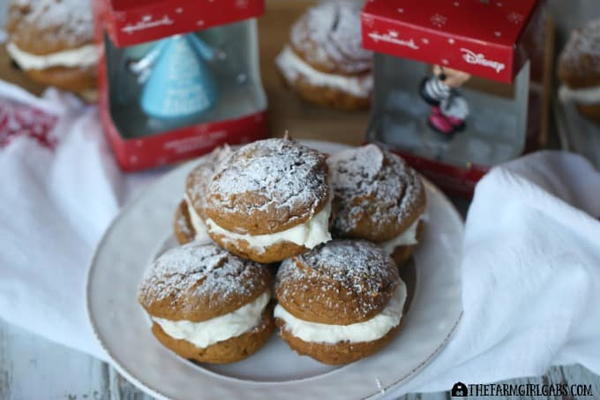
pixel 337 229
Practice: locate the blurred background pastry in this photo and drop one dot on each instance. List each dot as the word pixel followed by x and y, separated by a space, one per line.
pixel 579 70
pixel 52 42
pixel 324 62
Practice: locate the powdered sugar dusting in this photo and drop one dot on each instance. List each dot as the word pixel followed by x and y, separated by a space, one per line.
pixel 369 158
pixel 200 270
pixel 359 267
pixel 335 27
pixel 70 20
pixel 276 176
pixel 369 181
pixel 582 52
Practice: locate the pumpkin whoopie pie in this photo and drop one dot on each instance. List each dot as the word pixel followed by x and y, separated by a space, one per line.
pixel 377 197
pixel 324 62
pixel 208 305
pixel 340 302
pixel 267 201
pixel 52 42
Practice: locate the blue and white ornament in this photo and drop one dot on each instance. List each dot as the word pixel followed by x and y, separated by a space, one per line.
pixel 177 82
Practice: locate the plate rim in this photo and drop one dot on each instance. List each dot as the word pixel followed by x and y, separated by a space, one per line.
pixel 115 362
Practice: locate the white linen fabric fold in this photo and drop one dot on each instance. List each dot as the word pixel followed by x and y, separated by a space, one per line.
pixel 60 188
pixel 531 269
pixel 531 275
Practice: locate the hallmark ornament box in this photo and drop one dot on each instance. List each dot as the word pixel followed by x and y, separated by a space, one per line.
pixel 460 85
pixel 178 78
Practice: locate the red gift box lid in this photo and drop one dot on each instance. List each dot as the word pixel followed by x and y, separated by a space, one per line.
pixel 130 22
pixel 486 38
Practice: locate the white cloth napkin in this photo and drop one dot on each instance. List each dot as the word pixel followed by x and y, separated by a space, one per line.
pixel 531 272
pixel 531 275
pixel 60 188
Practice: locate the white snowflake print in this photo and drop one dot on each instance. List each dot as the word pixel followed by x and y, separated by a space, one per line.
pixel 438 20
pixel 241 3
pixel 515 17
pixel 425 41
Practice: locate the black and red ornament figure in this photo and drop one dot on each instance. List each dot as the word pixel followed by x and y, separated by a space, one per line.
pixel 449 109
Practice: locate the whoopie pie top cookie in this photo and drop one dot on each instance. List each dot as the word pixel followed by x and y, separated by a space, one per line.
pixel 338 283
pixel 269 194
pixel 51 33
pixel 377 196
pixel 196 282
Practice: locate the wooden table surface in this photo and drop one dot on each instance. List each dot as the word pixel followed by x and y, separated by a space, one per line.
pixel 33 368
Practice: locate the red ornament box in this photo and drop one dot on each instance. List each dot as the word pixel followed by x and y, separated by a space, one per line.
pixel 493 40
pixel 123 24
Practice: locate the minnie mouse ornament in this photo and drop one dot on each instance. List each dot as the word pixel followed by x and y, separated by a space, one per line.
pixel 449 109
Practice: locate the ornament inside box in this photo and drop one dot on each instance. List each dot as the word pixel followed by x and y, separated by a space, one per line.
pixel 460 85
pixel 178 78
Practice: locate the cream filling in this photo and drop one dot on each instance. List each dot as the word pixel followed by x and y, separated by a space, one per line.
pixel 206 333
pixel 294 67
pixel 309 234
pixel 84 56
pixel 201 233
pixel 583 96
pixel 406 238
pixel 367 331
